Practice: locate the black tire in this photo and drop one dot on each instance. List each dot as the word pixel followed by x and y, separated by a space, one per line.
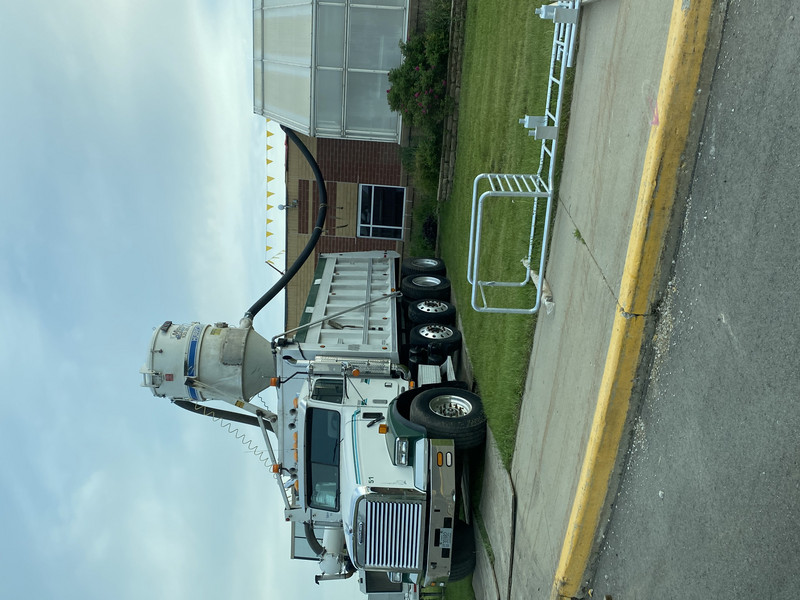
pixel 431 311
pixel 463 558
pixel 444 338
pixel 423 266
pixel 451 413
pixel 419 287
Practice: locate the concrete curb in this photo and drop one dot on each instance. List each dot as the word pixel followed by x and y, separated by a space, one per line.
pixel 492 577
pixel 686 43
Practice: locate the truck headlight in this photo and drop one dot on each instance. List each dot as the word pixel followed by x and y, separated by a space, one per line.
pixel 401 451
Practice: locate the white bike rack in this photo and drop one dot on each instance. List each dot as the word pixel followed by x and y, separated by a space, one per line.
pixel 494 187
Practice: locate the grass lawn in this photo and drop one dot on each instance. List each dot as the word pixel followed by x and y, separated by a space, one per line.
pixel 504 76
pixel 505 67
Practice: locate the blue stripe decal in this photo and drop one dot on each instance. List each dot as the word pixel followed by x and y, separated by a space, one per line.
pixel 191 364
pixel 355 447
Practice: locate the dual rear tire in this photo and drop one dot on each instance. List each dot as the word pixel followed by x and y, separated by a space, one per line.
pixel 423 266
pixel 431 311
pixel 426 291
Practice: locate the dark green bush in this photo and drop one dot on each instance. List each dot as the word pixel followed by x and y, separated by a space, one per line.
pixel 427 158
pixel 419 93
pixel 419 85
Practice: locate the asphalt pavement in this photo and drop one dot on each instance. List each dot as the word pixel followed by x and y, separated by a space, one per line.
pixel 709 504
pixel 658 438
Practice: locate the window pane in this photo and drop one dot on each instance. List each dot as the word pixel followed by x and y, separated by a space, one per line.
pixel 325 480
pixel 382 209
pixel 324 432
pixel 367 107
pixel 258 86
pixel 388 206
pixel 366 194
pixel 385 232
pixel 288 91
pixel 258 35
pixel 375 36
pixel 281 3
pixel 366 205
pixel 329 97
pixel 322 437
pixel 328 390
pixel 287 34
pixel 330 36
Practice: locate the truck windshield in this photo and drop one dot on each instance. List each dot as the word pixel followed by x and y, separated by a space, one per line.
pixel 322 459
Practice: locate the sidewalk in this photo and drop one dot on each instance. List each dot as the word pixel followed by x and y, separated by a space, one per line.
pixel 636 76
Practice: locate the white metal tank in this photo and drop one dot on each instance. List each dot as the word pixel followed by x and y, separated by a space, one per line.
pixel 204 362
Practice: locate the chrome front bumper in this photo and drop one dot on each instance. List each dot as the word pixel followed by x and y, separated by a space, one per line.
pixel 442 513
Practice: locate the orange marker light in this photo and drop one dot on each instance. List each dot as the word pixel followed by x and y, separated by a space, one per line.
pixel 439 459
pixel 383 428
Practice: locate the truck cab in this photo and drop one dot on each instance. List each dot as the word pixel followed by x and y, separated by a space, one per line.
pixel 364 469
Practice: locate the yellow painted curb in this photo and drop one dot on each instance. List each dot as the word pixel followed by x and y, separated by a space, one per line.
pixel 686 42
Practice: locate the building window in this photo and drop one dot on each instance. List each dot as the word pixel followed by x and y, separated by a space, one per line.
pixel 381 209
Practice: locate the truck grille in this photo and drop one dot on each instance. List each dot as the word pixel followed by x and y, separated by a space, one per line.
pixel 392 536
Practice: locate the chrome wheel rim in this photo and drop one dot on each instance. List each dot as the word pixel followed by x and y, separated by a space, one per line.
pixel 432 306
pixel 425 263
pixel 426 280
pixel 450 406
pixel 436 332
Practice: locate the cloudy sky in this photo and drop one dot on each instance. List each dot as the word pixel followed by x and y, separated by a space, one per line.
pixel 133 182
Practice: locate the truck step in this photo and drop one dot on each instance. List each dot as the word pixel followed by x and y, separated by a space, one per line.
pixel 428 374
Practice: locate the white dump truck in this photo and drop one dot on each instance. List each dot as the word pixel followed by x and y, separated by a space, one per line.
pixel 370 426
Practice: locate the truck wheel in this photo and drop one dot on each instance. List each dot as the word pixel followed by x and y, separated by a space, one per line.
pixel 422 266
pixel 451 413
pixel 447 339
pixel 431 311
pixel 419 287
pixel 462 561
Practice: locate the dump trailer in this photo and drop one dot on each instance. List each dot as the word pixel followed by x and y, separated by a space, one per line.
pixel 370 425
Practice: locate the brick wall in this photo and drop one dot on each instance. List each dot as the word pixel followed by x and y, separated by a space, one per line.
pixel 350 244
pixel 359 162
pixel 344 165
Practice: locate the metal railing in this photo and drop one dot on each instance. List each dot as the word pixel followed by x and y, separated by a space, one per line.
pixel 538 186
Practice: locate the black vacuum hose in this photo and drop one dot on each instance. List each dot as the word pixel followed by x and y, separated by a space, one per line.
pixel 315 235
